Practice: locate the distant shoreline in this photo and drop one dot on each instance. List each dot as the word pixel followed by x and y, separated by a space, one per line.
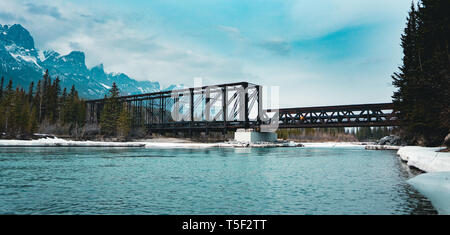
pixel 165 142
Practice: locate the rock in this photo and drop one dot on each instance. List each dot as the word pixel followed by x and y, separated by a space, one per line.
pixel 390 140
pixel 447 140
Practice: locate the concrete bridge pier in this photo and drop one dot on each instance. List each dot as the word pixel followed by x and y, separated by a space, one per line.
pixel 252 136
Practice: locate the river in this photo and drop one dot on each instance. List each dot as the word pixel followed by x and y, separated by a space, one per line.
pixel 346 180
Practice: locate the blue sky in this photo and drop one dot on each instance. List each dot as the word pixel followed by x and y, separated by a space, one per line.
pixel 323 52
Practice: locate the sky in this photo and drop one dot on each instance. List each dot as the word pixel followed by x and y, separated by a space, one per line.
pixel 322 52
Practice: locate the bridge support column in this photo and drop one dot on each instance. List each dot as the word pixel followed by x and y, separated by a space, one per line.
pixel 251 136
pixel 246 119
pixel 224 109
pixel 191 108
pixel 207 109
pixel 260 104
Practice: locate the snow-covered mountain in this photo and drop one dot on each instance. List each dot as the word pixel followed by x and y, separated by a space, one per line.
pixel 23 63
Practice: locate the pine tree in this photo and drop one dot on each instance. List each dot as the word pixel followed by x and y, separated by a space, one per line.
pixel 110 112
pixel 124 122
pixel 422 95
pixel 33 120
pixel 37 99
pixel 1 88
pixel 7 104
pixel 30 92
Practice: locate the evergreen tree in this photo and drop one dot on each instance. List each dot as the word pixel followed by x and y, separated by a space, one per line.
pixel 110 112
pixel 422 83
pixel 124 122
pixel 22 112
pixel 44 96
pixel 1 88
pixel 30 92
pixel 7 105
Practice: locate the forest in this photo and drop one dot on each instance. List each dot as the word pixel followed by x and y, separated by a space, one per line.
pixel 422 82
pixel 42 108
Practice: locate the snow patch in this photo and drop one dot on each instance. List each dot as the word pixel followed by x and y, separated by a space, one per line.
pixel 105 86
pixel 180 145
pixel 436 187
pixel 333 145
pixel 425 159
pixel 29 59
pixel 56 142
pixel 41 55
pixel 382 147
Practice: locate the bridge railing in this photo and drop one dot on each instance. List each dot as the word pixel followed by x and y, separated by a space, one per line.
pixel 236 105
pixel 380 114
pixel 218 107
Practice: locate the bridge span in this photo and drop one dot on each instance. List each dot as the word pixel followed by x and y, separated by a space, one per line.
pixel 231 106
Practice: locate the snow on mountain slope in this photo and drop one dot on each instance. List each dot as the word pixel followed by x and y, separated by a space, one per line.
pixel 22 62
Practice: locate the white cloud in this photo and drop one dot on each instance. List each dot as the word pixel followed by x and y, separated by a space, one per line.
pixel 120 46
pixel 320 17
pixel 150 53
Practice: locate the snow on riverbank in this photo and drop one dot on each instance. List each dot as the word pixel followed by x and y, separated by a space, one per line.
pixel 436 187
pixel 178 145
pixel 382 147
pixel 333 145
pixel 56 142
pixel 231 144
pixel 425 159
pixel 150 143
pixel 166 143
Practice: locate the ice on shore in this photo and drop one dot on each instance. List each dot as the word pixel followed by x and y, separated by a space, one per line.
pixel 435 184
pixel 436 187
pixel 231 144
pixel 56 142
pixel 178 145
pixel 382 147
pixel 425 159
pixel 46 141
pixel 333 145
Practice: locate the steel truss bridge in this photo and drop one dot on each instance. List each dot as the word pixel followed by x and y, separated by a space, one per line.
pixel 235 105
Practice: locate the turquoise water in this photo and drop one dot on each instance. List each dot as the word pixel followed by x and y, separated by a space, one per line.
pixel 206 181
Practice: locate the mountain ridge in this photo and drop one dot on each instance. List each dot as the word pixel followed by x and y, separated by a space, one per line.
pixel 23 63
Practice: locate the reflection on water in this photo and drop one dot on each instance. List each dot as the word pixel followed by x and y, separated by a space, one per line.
pixel 206 181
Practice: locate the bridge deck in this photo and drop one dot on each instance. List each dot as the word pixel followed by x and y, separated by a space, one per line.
pixel 380 114
pixel 236 105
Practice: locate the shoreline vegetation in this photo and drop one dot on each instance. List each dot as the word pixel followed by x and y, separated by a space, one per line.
pixel 167 142
pixel 48 110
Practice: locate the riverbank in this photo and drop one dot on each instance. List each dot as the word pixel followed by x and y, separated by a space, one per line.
pixel 167 142
pixel 425 159
pixel 435 183
pixel 57 142
pixel 382 147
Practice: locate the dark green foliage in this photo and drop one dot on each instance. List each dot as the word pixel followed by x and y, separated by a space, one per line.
pixel 124 122
pixel 111 112
pixel 23 112
pixel 372 133
pixel 422 83
pixel 72 109
pixel 316 134
pixel 1 87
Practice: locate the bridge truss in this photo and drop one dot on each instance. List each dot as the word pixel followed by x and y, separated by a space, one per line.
pixel 381 114
pixel 219 108
pixel 235 105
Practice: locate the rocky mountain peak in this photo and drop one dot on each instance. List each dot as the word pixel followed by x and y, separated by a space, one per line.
pixel 18 35
pixel 20 61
